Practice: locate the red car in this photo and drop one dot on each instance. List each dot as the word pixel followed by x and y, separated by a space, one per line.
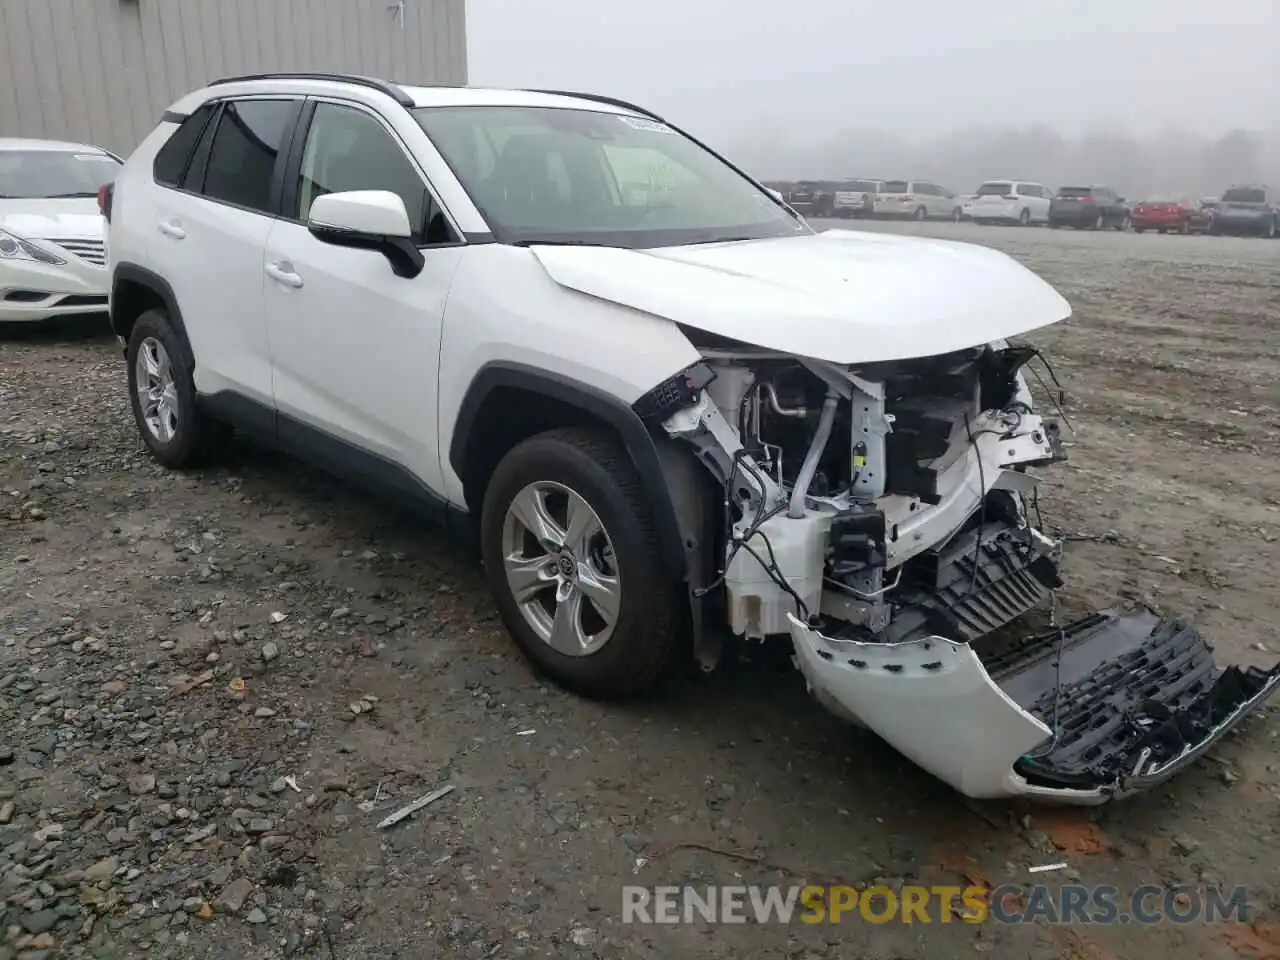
pixel 1171 214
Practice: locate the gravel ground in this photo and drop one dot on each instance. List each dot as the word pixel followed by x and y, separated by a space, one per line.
pixel 213 687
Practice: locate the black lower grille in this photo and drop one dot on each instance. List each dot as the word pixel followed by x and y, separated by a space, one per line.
pixel 1123 695
pixel 977 603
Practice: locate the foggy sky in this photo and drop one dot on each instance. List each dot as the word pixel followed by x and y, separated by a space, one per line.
pixel 778 79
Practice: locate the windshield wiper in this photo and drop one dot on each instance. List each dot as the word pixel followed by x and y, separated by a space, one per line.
pixel 696 243
pixel 558 243
pixel 71 196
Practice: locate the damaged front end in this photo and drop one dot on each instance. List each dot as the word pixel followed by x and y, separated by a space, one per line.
pixel 881 516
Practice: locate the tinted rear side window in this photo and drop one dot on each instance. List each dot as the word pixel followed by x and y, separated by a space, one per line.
pixel 242 158
pixel 173 158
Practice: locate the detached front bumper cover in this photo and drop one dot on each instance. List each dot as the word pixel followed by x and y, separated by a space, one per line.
pixel 1108 706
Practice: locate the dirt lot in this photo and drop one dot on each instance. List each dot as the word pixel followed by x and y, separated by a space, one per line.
pixel 183 772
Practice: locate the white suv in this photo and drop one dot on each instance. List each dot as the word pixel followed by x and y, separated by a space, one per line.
pixel 669 409
pixel 1022 202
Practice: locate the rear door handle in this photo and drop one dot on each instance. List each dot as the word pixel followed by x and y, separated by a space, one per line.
pixel 172 228
pixel 282 272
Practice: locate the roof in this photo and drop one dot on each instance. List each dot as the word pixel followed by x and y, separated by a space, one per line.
pixel 406 94
pixel 53 146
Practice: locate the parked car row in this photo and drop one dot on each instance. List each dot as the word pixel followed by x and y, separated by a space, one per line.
pixel 1247 209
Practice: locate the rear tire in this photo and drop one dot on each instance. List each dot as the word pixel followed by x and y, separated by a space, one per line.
pixel 1123 225
pixel 176 432
pixel 645 600
pixel 957 215
pixel 920 213
pixel 1024 218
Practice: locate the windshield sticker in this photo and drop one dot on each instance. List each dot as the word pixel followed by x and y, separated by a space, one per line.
pixel 644 123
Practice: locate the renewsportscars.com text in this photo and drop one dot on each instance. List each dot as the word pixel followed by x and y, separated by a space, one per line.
pixel 1012 903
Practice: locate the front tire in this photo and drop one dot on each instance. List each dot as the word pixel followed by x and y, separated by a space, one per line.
pixel 920 213
pixel 1024 218
pixel 162 392
pixel 572 556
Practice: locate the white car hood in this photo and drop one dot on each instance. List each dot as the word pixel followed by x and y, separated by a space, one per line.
pixel 843 296
pixel 77 219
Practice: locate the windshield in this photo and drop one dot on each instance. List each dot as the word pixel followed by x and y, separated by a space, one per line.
pixel 551 175
pixel 45 174
pixel 1244 195
pixel 995 189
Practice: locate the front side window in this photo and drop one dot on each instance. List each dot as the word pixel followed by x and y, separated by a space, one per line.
pixel 54 174
pixel 348 149
pixel 552 175
pixel 242 157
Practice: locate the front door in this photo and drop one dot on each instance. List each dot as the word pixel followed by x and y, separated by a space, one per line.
pixel 356 348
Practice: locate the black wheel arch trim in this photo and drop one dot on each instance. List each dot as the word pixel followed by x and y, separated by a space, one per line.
pixel 640 444
pixel 132 273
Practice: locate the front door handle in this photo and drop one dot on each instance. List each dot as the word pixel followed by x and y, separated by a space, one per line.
pixel 172 228
pixel 282 272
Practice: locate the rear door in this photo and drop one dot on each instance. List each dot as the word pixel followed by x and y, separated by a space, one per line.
pixel 895 198
pixel 210 233
pixel 993 198
pixel 935 199
pixel 1035 199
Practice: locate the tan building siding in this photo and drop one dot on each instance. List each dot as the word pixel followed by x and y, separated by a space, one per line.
pixel 103 71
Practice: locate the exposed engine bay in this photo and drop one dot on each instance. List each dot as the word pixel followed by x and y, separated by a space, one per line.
pixel 884 516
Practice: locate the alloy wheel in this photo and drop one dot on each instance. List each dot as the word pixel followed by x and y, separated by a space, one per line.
pixel 560 567
pixel 157 391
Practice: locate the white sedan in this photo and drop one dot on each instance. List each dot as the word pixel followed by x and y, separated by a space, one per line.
pixel 52 245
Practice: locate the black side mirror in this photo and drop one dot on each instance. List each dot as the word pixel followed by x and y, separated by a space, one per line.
pixel 368 220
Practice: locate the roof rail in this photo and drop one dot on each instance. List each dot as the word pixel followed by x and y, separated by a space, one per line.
pixel 390 89
pixel 611 101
